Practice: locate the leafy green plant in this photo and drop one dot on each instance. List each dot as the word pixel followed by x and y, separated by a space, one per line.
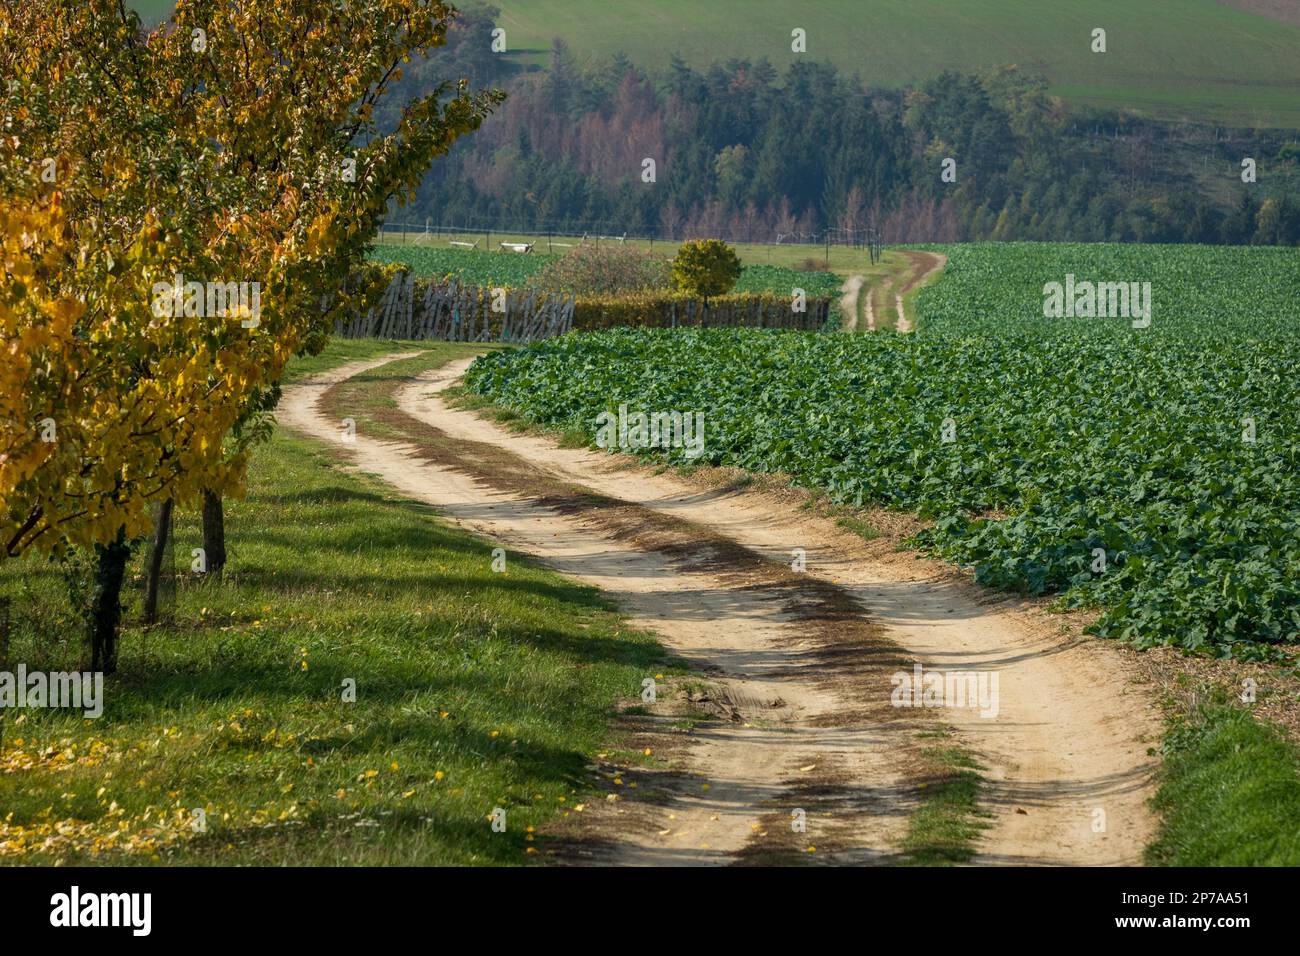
pixel 505 269
pixel 1072 436
pixel 783 281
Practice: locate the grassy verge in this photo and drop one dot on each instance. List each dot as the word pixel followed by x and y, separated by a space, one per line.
pixel 473 690
pixel 943 828
pixel 342 351
pixel 1229 791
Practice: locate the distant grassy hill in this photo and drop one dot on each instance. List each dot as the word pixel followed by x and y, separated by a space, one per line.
pixel 1215 60
pixel 151 11
pixel 1197 59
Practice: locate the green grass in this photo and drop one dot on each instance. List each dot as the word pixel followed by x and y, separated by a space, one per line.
pixel 1186 59
pixel 475 690
pixel 1171 58
pixel 942 830
pixel 153 11
pixel 349 350
pixel 884 279
pixel 431 255
pixel 1229 792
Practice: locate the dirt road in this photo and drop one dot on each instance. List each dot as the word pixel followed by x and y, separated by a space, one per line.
pixel 922 268
pixel 849 303
pixel 925 266
pixel 800 663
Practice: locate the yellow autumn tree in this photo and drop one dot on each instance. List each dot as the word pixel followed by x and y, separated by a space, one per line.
pixel 706 267
pixel 184 209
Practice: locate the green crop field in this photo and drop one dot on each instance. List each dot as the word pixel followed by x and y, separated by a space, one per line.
pixel 1196 58
pixel 1040 447
pixel 508 269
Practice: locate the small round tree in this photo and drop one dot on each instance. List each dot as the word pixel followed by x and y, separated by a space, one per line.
pixel 706 267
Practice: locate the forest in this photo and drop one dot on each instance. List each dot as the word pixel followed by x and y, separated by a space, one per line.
pixel 753 153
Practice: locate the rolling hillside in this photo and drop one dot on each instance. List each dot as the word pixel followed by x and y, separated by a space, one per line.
pixel 1234 62
pixel 1169 58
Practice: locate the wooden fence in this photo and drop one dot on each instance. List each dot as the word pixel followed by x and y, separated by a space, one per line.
pixel 454 312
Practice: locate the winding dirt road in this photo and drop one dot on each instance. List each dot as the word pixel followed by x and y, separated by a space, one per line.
pixel 923 267
pixel 798 664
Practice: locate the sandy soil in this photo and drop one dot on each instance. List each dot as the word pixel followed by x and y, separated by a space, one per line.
pixel 849 301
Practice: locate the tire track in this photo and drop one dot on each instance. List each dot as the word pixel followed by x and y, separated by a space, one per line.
pixel 787 656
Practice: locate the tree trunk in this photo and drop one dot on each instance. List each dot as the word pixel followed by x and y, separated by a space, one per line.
pixel 214 534
pixel 4 653
pixel 106 603
pixel 154 572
